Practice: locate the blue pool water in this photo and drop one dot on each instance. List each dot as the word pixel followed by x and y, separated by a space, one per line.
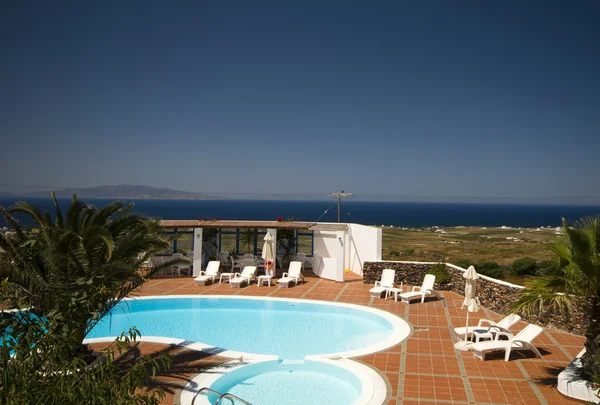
pixel 289 329
pixel 274 383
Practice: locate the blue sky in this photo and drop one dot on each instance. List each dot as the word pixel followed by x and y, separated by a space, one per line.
pixel 428 100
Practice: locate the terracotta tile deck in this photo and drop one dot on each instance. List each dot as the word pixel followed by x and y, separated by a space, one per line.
pixel 425 369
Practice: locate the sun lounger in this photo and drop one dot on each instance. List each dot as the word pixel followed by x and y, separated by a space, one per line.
pixel 383 285
pixel 246 276
pixel 426 290
pixel 293 275
pixel 488 329
pixel 520 341
pixel 210 274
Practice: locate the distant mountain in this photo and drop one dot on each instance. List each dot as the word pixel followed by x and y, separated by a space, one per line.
pixel 6 194
pixel 125 191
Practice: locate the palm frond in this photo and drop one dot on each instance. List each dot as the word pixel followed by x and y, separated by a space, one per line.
pixel 535 302
pixel 23 207
pixel 57 211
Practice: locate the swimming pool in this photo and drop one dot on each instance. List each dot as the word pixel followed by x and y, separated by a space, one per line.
pixel 288 328
pixel 275 382
pixel 290 384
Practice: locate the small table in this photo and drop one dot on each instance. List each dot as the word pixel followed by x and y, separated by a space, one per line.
pixel 394 291
pixel 227 276
pixel 482 334
pixel 262 279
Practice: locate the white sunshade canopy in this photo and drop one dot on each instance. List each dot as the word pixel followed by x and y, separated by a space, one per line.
pixel 471 301
pixel 268 252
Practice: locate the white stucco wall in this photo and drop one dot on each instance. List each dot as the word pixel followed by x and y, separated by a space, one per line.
pixel 328 260
pixel 365 245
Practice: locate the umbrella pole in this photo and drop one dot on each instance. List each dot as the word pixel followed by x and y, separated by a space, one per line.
pixel 464 345
pixel 467 328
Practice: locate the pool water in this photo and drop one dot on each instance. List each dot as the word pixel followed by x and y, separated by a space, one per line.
pixel 276 383
pixel 290 329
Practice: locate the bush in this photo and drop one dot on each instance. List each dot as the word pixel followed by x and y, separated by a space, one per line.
pixel 440 271
pixel 394 253
pixel 464 263
pixel 548 268
pixel 526 266
pixel 490 269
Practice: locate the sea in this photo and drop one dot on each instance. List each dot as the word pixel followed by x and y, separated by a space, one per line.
pixel 397 214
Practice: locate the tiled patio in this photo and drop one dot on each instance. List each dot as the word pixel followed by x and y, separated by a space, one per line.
pixel 424 369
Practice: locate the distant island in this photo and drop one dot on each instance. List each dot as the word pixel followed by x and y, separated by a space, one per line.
pixel 125 192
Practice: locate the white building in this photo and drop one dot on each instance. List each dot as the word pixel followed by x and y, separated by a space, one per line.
pixel 336 248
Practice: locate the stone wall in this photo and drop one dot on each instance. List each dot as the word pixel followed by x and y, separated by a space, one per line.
pixel 493 294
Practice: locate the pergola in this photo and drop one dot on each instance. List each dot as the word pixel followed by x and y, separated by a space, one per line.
pixel 271 227
pixel 195 223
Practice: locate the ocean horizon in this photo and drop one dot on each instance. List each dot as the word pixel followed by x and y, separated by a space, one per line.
pixel 398 214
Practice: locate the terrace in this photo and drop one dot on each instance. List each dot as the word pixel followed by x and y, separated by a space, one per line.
pixel 424 369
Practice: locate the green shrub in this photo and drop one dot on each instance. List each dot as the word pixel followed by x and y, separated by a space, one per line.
pixel 548 268
pixel 490 269
pixel 440 271
pixel 464 263
pixel 394 253
pixel 525 266
pixel 407 252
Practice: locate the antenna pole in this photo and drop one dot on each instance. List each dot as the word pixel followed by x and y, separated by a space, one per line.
pixel 339 198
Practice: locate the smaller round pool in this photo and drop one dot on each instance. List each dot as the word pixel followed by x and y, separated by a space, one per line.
pixel 290 382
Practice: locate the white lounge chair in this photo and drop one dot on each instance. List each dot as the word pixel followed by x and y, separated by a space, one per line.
pixel 520 341
pixel 425 290
pixel 487 328
pixel 293 275
pixel 383 285
pixel 211 273
pixel 246 276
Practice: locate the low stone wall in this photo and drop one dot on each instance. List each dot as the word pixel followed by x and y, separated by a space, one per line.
pixel 493 294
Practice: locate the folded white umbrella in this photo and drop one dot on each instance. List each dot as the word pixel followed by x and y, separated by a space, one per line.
pixel 471 302
pixel 268 254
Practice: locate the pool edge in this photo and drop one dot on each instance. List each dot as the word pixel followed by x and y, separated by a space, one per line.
pixel 374 388
pixel 397 336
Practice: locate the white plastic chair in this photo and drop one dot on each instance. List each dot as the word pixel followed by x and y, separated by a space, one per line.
pixel 492 327
pixel 387 281
pixel 294 274
pixel 211 273
pixel 246 276
pixel 425 290
pixel 520 341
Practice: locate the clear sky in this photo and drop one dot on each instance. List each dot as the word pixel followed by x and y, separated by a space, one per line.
pixel 408 99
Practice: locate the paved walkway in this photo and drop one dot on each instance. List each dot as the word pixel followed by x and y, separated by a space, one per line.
pixel 425 369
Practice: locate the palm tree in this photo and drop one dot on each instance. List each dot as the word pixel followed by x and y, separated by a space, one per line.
pixel 248 237
pixel 75 268
pixel 575 285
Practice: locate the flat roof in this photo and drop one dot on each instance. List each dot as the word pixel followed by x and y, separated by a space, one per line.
pixel 194 223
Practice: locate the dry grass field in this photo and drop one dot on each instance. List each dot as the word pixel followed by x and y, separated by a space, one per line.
pixel 476 244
